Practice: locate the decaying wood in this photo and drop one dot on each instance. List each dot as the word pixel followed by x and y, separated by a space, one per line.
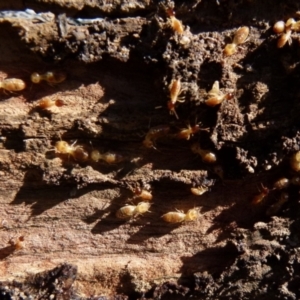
pixel 118 73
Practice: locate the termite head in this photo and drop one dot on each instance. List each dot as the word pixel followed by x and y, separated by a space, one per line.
pixel 192 215
pixel 18 243
pixel 167 7
pixel 62 147
pixel 95 155
pixel 148 143
pixel 171 107
pixel 206 155
pixel 264 190
pixel 209 157
pixel 143 194
pixel 35 77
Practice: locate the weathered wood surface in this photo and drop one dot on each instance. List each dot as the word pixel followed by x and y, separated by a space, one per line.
pixel 116 89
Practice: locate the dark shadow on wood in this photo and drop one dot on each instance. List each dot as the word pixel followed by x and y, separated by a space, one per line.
pixel 7 251
pixel 213 260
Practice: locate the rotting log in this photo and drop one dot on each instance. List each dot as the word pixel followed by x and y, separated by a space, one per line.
pixel 118 72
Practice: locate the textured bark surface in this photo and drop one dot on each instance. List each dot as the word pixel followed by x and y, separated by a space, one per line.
pixel 118 72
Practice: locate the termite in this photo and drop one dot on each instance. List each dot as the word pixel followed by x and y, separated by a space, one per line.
pixel 108 157
pixel 206 155
pixel 154 133
pixel 175 91
pixel 51 77
pixel 48 103
pixel 200 190
pixel 215 97
pixel 257 199
pixel 186 133
pixel 180 216
pixel 240 37
pixel 18 244
pixel 12 84
pixel 77 152
pixel 281 183
pixel 176 25
pixel 174 22
pixel 142 208
pixel 129 211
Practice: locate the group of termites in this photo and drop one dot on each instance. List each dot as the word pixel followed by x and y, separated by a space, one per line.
pixel 281 185
pixel 16 85
pixel 51 77
pixel 214 97
pixel 132 211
